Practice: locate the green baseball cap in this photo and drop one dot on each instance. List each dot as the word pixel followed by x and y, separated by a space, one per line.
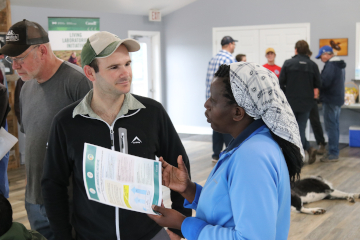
pixel 103 44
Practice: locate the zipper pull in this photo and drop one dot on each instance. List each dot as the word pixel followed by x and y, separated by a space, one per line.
pixel 112 137
pixel 122 141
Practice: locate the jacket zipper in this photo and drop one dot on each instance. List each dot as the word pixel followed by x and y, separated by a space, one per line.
pixel 112 138
pixel 123 142
pixel 117 226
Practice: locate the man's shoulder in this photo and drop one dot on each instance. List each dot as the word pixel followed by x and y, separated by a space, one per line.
pixel 224 53
pixel 66 113
pixel 72 77
pixel 73 67
pixel 293 61
pixel 148 102
pixel 72 71
pixel 28 85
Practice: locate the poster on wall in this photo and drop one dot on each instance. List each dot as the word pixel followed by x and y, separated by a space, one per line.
pixel 339 45
pixel 68 36
pixel 8 66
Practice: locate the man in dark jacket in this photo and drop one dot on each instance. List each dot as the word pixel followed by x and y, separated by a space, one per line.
pixel 332 93
pixel 110 117
pixel 298 78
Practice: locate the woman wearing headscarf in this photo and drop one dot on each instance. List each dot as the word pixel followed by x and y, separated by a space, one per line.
pixel 247 194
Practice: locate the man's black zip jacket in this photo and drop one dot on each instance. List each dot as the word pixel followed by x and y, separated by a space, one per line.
pixel 298 78
pixel 92 220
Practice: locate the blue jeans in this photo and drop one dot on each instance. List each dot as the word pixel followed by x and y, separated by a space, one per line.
pixel 4 182
pixel 302 118
pixel 331 120
pixel 38 219
pixel 218 142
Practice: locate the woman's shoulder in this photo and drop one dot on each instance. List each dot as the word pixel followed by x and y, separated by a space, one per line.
pixel 260 142
pixel 259 148
pixel 260 153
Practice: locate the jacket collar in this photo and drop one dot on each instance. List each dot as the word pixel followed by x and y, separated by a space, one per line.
pixel 84 108
pixel 334 59
pixel 245 134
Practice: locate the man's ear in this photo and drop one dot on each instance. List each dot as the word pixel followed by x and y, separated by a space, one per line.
pixel 43 50
pixel 89 73
pixel 239 114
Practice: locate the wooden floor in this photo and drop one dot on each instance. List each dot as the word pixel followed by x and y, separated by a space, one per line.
pixel 341 221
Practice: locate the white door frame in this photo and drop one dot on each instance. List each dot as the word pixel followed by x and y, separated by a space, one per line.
pixel 258 27
pixel 156 59
pixel 357 45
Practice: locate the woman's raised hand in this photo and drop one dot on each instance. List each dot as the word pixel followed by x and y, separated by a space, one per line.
pixel 176 179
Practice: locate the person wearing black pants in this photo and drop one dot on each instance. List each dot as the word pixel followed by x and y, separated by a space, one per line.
pixel 299 77
pixel 218 142
pixel 317 128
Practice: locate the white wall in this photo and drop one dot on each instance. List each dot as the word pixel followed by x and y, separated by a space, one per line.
pixel 188 39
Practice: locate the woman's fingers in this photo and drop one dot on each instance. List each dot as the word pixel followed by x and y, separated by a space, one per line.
pixel 166 177
pixel 181 164
pixel 163 162
pixel 165 172
pixel 158 209
pixel 156 218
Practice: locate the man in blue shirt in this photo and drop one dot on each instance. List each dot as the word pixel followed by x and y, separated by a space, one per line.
pixel 224 56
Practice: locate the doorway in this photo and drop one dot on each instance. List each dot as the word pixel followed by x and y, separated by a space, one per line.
pixel 146 65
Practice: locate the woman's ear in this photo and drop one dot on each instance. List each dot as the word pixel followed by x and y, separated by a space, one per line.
pixel 239 113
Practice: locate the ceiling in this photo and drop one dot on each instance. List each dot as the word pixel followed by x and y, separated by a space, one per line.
pixel 133 7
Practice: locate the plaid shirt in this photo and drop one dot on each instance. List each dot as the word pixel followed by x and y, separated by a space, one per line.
pixel 223 57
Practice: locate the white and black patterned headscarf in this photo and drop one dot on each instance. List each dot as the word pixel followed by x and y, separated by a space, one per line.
pixel 257 90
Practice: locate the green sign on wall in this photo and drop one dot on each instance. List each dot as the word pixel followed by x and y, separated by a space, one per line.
pixel 73 24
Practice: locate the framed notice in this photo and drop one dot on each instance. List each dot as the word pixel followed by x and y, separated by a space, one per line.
pixel 339 45
pixel 68 36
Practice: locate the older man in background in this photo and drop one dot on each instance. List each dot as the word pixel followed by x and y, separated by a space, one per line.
pixel 50 85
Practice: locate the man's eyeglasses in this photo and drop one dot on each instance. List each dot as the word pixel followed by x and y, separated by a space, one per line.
pixel 19 61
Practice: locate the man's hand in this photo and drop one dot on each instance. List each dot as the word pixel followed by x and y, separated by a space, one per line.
pixel 169 218
pixel 172 235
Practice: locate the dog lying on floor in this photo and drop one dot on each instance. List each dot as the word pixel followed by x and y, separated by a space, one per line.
pixel 314 189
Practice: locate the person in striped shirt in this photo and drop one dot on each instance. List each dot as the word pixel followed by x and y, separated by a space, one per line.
pixel 224 56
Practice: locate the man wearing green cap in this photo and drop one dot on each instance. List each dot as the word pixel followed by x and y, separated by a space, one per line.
pixel 50 85
pixel 111 117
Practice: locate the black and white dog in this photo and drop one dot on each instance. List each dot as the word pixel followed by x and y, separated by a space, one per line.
pixel 314 189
